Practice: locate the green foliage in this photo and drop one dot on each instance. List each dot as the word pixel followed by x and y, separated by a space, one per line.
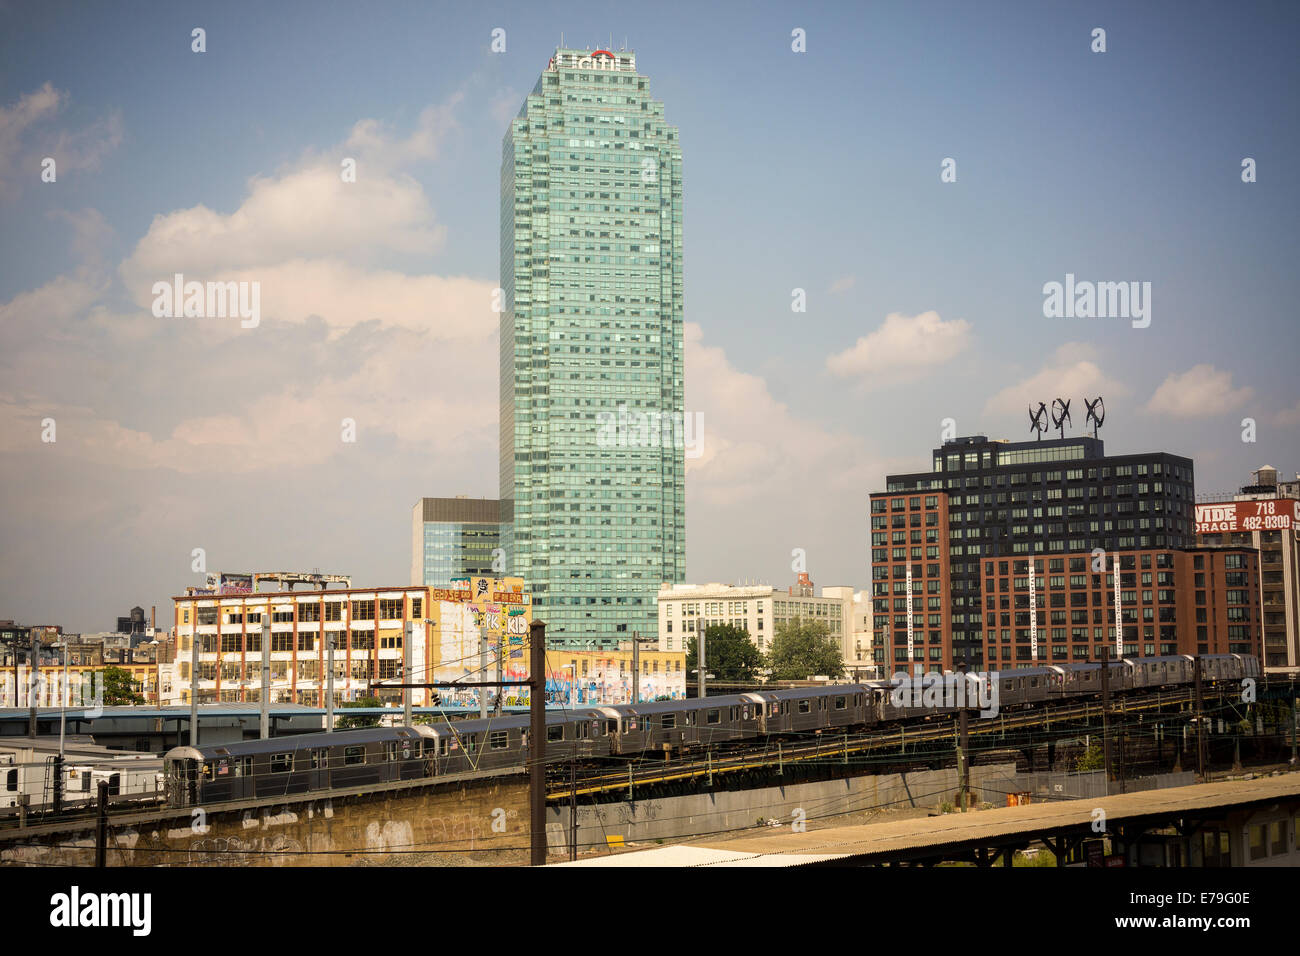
pixel 729 655
pixel 348 723
pixel 1090 759
pixel 1039 859
pixel 804 649
pixel 119 688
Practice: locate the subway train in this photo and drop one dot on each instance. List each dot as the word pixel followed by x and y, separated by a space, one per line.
pixel 358 758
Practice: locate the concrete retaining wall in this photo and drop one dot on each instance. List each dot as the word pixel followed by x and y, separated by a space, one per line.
pixel 392 826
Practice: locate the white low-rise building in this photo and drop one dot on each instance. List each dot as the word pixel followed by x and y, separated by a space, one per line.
pixel 687 609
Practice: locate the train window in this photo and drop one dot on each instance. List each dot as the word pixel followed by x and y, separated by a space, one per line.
pixel 668 721
pixel 390 750
pixel 442 746
pixel 805 707
pixel 733 714
pixel 841 703
pixel 281 763
pixel 555 733
pixel 498 740
pixel 690 718
pixel 713 717
pixel 354 755
pixel 207 770
pixel 785 707
pixel 319 759
pixel 11 780
pixel 244 767
pixel 471 743
pixel 821 703
pixel 580 729
pixel 611 726
pixel 1033 682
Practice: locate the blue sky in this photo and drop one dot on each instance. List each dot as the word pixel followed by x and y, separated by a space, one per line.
pixel 815 170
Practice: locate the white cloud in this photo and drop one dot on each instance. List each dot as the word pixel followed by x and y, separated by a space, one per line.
pixel 902 349
pixel 1071 371
pixel 748 436
pixel 373 141
pixel 1288 416
pixel 304 214
pixel 1201 390
pixel 25 138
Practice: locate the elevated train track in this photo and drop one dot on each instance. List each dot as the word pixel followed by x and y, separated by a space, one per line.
pixel 771 757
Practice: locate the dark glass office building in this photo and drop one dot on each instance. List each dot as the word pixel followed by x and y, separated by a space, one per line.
pixel 1047 498
pixel 456 538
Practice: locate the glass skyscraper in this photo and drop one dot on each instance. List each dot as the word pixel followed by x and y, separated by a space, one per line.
pixel 591 349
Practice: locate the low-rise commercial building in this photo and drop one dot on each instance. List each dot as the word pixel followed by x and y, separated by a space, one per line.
pixel 1265 516
pixel 363 631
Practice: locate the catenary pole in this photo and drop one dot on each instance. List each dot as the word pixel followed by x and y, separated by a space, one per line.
pixel 537 742
pixel 264 698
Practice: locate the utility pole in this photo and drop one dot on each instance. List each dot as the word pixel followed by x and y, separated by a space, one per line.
pixel 1105 712
pixel 963 754
pixel 537 742
pixel 700 692
pixel 407 640
pixel 63 724
pixel 264 698
pixel 1200 722
pixel 329 682
pixel 101 830
pixel 501 641
pixel 194 686
pixel 573 803
pixel 33 681
pixel 482 667
pixel 17 694
pixel 636 668
pixel 1295 704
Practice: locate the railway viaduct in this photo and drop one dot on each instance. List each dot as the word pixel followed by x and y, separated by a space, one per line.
pixel 480 815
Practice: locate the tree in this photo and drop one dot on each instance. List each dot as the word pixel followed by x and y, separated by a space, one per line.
pixel 119 688
pixel 729 655
pixel 1090 759
pixel 803 649
pixel 361 720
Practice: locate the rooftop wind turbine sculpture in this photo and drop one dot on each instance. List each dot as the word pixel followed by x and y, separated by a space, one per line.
pixel 1061 414
pixel 1096 414
pixel 1038 420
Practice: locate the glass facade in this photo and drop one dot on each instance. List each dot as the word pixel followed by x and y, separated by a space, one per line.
pixel 454 550
pixel 591 334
